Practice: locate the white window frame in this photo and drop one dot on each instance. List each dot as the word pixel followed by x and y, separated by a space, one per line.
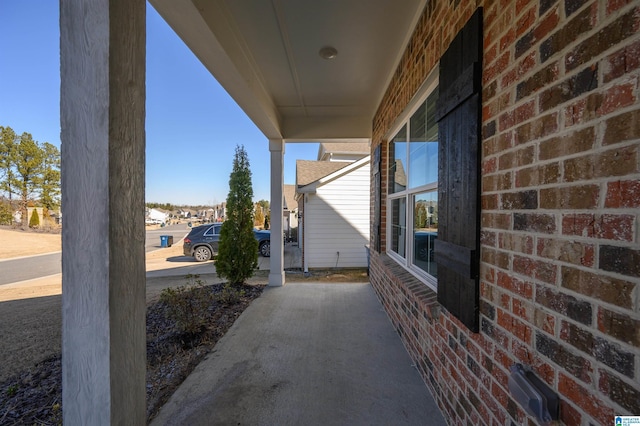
pixel 428 86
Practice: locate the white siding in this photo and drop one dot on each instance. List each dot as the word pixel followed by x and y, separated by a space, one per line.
pixel 337 220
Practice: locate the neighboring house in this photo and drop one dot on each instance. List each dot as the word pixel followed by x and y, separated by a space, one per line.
pixel 157 216
pixel 186 213
pixel 290 212
pixel 219 212
pixel 333 201
pixel 340 151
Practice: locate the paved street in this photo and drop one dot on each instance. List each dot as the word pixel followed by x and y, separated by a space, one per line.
pixel 32 267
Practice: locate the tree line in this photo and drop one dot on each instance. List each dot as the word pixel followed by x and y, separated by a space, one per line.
pixel 29 174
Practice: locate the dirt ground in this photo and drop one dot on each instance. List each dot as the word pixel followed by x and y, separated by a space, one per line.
pixel 18 243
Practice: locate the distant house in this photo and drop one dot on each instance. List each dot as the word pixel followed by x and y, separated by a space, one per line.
pixel 290 212
pixel 186 213
pixel 156 216
pixel 333 198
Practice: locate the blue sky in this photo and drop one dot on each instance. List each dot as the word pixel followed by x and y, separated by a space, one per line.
pixel 192 125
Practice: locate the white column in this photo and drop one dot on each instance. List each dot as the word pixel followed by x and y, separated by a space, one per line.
pixel 102 101
pixel 276 274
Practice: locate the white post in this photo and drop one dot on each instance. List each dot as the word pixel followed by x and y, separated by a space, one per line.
pixel 102 113
pixel 276 274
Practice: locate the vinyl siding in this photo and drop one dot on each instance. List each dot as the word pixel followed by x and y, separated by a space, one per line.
pixel 337 220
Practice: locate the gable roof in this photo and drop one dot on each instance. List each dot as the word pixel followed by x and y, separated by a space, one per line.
pixel 290 202
pixel 359 148
pixel 310 171
pixel 328 175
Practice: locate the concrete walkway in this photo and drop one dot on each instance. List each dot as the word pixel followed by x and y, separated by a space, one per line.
pixel 306 354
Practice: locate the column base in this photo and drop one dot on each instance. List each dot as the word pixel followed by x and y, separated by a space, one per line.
pixel 276 279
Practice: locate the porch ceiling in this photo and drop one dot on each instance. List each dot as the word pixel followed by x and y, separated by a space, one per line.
pixel 265 53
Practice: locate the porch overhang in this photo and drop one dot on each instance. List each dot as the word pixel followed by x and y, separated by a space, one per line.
pixel 266 56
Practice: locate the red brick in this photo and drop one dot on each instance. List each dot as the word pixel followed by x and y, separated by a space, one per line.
pixel 567 144
pixel 619 326
pixel 568 33
pixel 515 285
pixel 488 238
pixel 506 121
pixel 580 224
pixel 622 393
pixel 614 5
pixel 534 222
pixel 548 24
pixel 544 321
pixel 622 128
pixel 496 220
pixel 621 194
pixel 517 158
pixel 622 62
pixel 492 405
pixel 620 29
pixel 585 399
pixel 491 53
pixel 521 309
pixel 568 414
pixel 570 197
pixel 565 304
pixel 497 68
pixel 504 300
pixel 615 227
pixel 489 202
pixel 526 21
pixel 554 349
pixel 521 243
pixel 539 174
pixel 538 81
pixel 490 166
pixel 615 162
pixel 525 112
pixel 617 97
pixel 507 40
pixel 539 128
pixel 566 251
pixel 569 89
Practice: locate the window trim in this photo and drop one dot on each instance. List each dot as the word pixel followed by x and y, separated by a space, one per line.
pixel 428 86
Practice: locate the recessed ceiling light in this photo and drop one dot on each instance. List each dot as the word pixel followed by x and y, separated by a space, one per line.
pixel 328 52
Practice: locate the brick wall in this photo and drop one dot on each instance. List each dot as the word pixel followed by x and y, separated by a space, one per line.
pixel 560 268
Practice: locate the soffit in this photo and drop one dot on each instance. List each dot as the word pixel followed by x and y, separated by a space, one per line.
pixel 265 54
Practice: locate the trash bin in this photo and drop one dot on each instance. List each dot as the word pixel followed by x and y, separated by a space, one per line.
pixel 166 240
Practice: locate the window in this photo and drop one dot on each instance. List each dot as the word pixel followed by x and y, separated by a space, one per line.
pixel 413 190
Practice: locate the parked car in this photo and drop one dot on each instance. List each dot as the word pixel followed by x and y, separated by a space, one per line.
pixel 264 241
pixel 202 242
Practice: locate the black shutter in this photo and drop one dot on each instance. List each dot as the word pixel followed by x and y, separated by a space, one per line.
pixel 459 121
pixel 377 203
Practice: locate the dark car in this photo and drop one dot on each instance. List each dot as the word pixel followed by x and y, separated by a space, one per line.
pixel 264 241
pixel 202 242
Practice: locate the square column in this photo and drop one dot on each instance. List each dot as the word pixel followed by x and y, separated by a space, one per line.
pixel 102 114
pixel 276 274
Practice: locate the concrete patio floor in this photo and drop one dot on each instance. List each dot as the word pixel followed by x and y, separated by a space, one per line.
pixel 306 354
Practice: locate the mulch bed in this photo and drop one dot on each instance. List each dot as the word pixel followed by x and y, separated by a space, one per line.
pixel 35 395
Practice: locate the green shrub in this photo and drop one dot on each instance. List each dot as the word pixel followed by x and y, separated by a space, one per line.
pixel 5 214
pixel 188 305
pixel 229 295
pixel 34 222
pixel 238 248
